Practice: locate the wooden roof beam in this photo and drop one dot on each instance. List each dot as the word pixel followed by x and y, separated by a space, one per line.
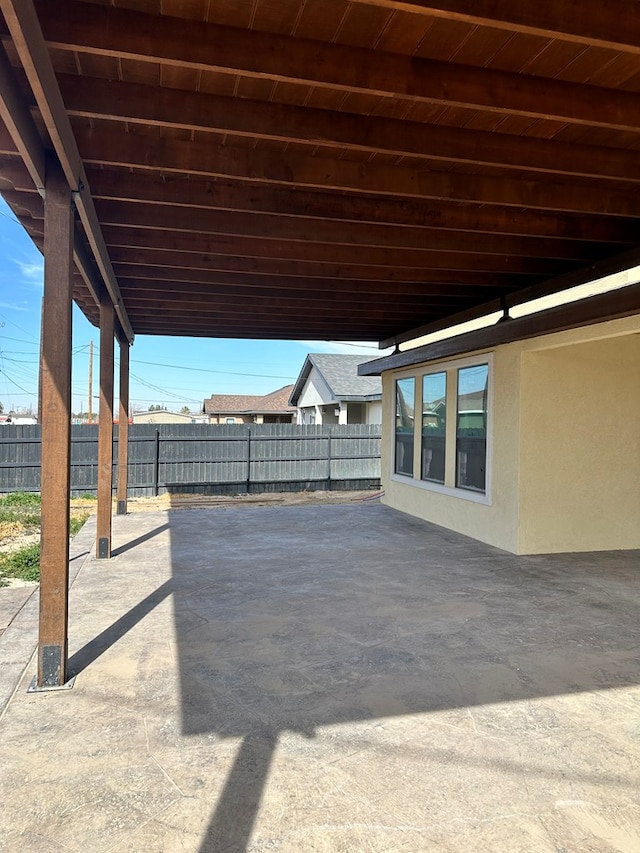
pixel 266 226
pixel 129 34
pixel 235 195
pixel 334 292
pixel 111 148
pixel 29 43
pixel 137 103
pixel 614 25
pixel 211 244
pixel 203 280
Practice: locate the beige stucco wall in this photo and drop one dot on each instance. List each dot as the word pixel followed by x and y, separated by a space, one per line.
pixel 564 445
pixel 580 450
pixel 496 522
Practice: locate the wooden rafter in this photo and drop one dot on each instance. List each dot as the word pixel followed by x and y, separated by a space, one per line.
pixel 614 25
pixel 114 32
pixel 312 171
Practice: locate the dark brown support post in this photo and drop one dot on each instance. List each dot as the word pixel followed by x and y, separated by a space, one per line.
pixel 123 425
pixel 105 429
pixel 56 430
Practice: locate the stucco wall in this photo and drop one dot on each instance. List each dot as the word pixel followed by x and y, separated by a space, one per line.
pixel 564 446
pixel 580 452
pixel 495 522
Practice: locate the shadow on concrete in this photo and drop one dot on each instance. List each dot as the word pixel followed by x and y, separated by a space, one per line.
pixel 290 619
pixel 90 652
pixel 140 540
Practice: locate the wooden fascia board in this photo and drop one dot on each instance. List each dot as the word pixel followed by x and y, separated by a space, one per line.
pixel 110 31
pixel 25 31
pixel 594 309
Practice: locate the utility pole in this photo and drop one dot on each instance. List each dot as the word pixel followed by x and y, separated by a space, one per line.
pixel 90 405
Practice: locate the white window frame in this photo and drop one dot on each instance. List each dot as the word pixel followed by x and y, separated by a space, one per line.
pixel 451 368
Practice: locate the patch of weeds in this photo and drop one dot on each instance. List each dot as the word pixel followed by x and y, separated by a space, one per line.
pixel 20 499
pixel 23 563
pixel 20 510
pixel 76 522
pixel 88 496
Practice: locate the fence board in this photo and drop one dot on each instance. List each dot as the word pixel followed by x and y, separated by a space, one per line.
pixel 208 458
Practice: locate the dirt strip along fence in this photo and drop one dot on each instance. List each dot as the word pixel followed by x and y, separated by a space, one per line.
pixel 207 459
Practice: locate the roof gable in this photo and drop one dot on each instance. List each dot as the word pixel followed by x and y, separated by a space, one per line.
pixel 340 374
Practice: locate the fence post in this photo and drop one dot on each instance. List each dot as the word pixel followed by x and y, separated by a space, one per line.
pixel 329 459
pixel 156 463
pixel 248 460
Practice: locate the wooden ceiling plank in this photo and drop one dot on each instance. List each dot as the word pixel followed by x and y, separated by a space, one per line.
pixel 196 111
pixel 134 35
pixel 26 33
pixel 116 149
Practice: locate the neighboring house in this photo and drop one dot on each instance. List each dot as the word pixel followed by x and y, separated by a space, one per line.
pixel 329 391
pixel 164 417
pixel 250 408
pixel 530 444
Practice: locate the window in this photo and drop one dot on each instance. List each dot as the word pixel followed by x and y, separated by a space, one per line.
pixel 230 420
pixel 471 428
pixel 453 402
pixel 405 397
pixel 434 426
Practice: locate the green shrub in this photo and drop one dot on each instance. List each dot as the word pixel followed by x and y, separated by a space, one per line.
pixel 20 499
pixel 23 564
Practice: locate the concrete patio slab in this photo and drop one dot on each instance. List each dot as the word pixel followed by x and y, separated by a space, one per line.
pixel 332 678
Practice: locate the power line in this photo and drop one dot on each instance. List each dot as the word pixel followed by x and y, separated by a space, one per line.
pixel 6 375
pixel 209 370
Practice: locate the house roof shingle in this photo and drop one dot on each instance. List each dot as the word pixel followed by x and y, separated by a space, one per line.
pixel 273 403
pixel 340 372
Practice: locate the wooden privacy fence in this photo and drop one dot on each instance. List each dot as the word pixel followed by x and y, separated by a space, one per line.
pixel 209 459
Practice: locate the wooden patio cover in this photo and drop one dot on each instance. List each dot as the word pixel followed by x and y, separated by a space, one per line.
pixel 325 169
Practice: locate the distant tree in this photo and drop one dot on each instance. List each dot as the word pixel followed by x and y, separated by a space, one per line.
pixel 185 410
pixel 156 408
pixel 1 408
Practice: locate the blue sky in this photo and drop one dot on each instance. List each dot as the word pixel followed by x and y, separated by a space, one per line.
pixel 174 372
